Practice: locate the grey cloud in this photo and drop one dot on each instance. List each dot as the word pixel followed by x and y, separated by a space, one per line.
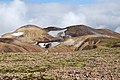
pixel 12 15
pixel 101 14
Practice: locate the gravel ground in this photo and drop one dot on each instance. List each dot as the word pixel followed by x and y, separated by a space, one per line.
pixel 96 64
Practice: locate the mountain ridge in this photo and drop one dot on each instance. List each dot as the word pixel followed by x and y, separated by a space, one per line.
pixel 32 38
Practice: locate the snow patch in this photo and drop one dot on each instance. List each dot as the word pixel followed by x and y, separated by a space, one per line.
pixel 17 34
pixel 53 44
pixel 117 30
pixel 44 45
pixel 58 34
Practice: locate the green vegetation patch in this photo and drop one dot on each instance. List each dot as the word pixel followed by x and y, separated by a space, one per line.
pixel 110 43
pixel 38 68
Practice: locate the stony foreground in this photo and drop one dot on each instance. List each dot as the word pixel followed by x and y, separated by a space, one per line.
pixel 97 64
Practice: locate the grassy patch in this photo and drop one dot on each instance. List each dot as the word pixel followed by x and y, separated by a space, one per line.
pixel 110 43
pixel 38 68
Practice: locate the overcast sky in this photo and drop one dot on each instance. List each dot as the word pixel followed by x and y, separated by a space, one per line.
pixel 60 13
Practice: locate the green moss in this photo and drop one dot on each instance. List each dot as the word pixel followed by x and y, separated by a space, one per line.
pixel 46 77
pixel 109 43
pixel 40 68
pixel 3 71
pixel 76 64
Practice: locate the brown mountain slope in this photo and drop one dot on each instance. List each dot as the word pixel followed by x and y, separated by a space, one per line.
pixel 82 43
pixel 13 45
pixel 108 32
pixel 4 47
pixel 82 38
pixel 82 30
pixel 31 34
pixel 34 33
pixel 79 30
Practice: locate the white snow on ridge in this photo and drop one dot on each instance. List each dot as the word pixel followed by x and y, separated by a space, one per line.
pixel 17 34
pixel 42 45
pixel 117 30
pixel 55 33
pixel 53 44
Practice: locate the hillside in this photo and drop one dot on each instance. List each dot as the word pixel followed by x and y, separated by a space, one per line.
pixel 82 30
pixel 31 34
pixel 14 45
pixel 32 38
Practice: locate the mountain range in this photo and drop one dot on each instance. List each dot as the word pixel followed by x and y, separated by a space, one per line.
pixel 32 38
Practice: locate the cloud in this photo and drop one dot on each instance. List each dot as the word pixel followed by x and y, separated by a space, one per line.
pixel 100 14
pixel 117 29
pixel 73 19
pixel 12 15
pixel 49 14
pixel 105 12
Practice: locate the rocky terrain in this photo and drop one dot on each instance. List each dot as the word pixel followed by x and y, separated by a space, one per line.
pixel 96 64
